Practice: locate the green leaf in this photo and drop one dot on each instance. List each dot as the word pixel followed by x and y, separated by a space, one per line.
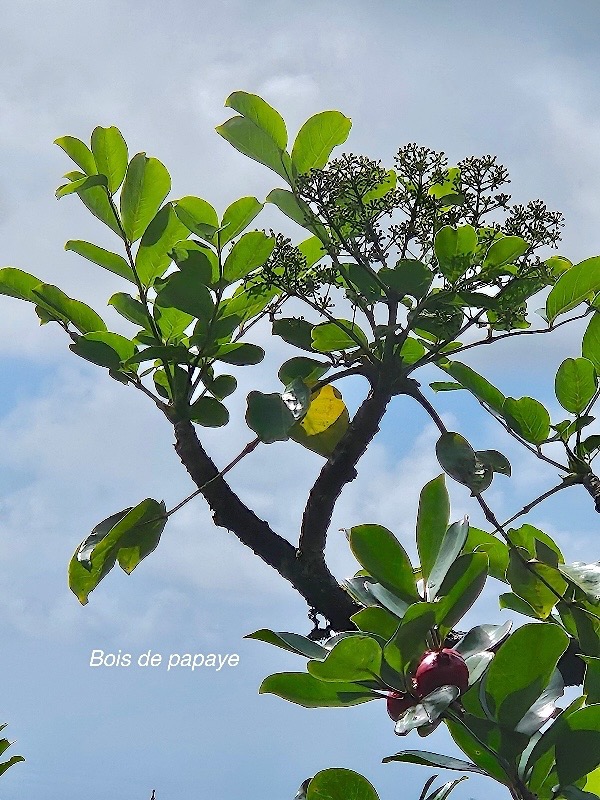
pixel 221 386
pixel 110 154
pixel 269 417
pixel 338 335
pixel 253 142
pixel 428 710
pixel 340 784
pixel 472 744
pixel 237 217
pixel 573 287
pixel 16 283
pixel 575 384
pixel 291 642
pixel 408 277
pixel 355 658
pixel 365 281
pixel 433 760
pixel 495 461
pixel 591 686
pixel 454 249
pixel 504 251
pixel 592 783
pixel 496 550
pixel 294 330
pixel 81 315
pixel 104 258
pixel 458 459
pixel 186 291
pixel 198 216
pixel 209 412
pixel 482 638
pixel 250 251
pixel 578 745
pixel 527 586
pixel 376 620
pixel 261 114
pixel 128 536
pixel 411 351
pixel 462 585
pixel 513 602
pixel 381 554
pixel 104 348
pixel 79 152
pixel 95 199
pixel 450 549
pixel 308 369
pixel 586 577
pixel 528 418
pixel 130 308
pixel 476 384
pixel 312 250
pixel 240 354
pixel 306 690
pixel 409 642
pixel 296 209
pixel 590 346
pixel 147 183
pixel 163 232
pixel 317 138
pixel 522 669
pixel 432 522
pixel 81 184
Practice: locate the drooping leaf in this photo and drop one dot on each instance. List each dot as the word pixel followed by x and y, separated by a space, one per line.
pixel 381 554
pixel 249 252
pixel 104 258
pixel 528 418
pixel 522 669
pixel 84 318
pixel 110 154
pixel 308 691
pixel 163 232
pixel 433 760
pixel 146 185
pixel 573 287
pixel 130 308
pixel 296 209
pixel 432 522
pixel 126 537
pixel 575 384
pixel 428 710
pixel 340 784
pixel 544 707
pixel 317 138
pixel 17 283
pixel 104 348
pixel 269 417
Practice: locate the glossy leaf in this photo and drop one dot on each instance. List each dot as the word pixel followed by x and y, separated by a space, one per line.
pixel 458 459
pixel 591 686
pixel 586 577
pixel 454 249
pixel 522 669
pixel 250 251
pixel 450 549
pixel 110 154
pixel 209 412
pixel 126 537
pixel 162 234
pixel 104 258
pixel 462 585
pixel 432 522
pixel 528 418
pixel 381 554
pixel 590 345
pixel 544 707
pixel 340 784
pixel 575 384
pixel 291 642
pixel 146 185
pixel 308 691
pixel 505 251
pixel 428 710
pixel 427 759
pixel 476 384
pixel 376 620
pixel 79 152
pixel 474 745
pixel 496 550
pixel 496 461
pixel 269 417
pixel 482 637
pixel 338 335
pixel 240 354
pixel 573 287
pixel 308 369
pixel 324 424
pixel 237 217
pixel 578 745
pixel 525 584
pixel 408 277
pixel 409 641
pixel 355 658
pixel 317 138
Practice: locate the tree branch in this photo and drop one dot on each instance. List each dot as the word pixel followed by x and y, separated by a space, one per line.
pixel 312 580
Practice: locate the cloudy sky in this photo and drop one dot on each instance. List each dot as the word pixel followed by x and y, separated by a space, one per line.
pixel 466 76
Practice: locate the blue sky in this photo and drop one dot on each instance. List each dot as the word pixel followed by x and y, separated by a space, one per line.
pixel 469 77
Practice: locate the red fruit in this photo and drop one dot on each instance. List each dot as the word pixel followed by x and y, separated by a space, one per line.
pixel 398 703
pixel 441 668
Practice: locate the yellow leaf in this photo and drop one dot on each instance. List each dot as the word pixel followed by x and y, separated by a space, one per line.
pixel 324 424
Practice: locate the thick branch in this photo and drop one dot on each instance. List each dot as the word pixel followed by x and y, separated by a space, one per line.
pixel 337 472
pixel 314 582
